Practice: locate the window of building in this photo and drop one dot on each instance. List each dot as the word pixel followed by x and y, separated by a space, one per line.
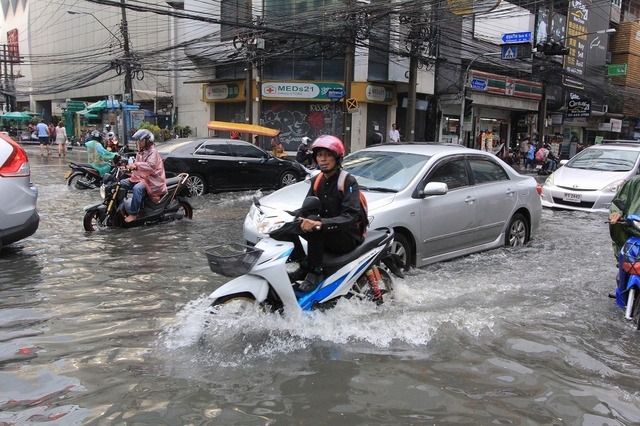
pixel 232 12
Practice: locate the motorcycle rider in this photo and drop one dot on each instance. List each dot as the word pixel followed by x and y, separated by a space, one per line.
pixel 112 142
pixel 337 228
pixel 98 157
pixel 629 193
pixel 148 175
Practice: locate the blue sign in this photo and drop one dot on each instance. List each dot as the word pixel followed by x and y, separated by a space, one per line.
pixel 516 37
pixel 335 93
pixel 516 50
pixel 479 83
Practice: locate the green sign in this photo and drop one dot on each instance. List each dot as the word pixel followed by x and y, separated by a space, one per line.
pixel 614 70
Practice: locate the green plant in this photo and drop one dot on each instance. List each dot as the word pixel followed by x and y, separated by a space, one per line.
pixel 152 128
pixel 182 131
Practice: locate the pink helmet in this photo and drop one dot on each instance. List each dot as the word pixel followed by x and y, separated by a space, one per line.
pixel 331 143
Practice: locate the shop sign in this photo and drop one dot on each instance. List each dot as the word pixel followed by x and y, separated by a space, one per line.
pixel 616 124
pixel 376 93
pixel 298 90
pixel 578 106
pixel 218 92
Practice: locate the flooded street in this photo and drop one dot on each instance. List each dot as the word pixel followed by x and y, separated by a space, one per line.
pixel 112 328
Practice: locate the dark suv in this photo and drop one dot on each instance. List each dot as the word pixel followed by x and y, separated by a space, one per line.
pixel 18 216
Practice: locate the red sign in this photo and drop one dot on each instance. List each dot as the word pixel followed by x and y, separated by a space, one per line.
pixel 13 49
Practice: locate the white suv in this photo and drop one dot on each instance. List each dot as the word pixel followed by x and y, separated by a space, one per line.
pixel 18 216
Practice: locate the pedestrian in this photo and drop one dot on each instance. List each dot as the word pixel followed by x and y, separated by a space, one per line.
pixel 304 154
pixel 42 131
pixel 51 129
pixel 61 139
pixel 524 147
pixel 487 141
pixel 531 152
pixel 394 134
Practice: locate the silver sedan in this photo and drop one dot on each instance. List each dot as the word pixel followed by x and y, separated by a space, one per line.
pixel 442 200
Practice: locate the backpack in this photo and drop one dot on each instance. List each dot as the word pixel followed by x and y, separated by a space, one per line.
pixel 541 154
pixel 363 201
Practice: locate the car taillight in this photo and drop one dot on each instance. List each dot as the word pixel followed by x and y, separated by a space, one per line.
pixel 17 165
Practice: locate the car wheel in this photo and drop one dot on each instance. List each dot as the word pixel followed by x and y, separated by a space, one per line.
pixel 402 248
pixel 288 178
pixel 196 185
pixel 517 232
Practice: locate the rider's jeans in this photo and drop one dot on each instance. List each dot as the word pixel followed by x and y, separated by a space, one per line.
pixel 139 192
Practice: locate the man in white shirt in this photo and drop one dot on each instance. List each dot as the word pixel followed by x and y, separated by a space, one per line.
pixel 394 134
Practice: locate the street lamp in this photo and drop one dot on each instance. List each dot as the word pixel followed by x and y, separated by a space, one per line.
pixel 77 12
pixel 464 90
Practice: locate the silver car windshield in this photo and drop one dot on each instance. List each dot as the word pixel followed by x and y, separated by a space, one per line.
pixel 384 171
pixel 610 160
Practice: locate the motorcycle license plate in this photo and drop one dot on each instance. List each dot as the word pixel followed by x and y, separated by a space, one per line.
pixel 66 175
pixel 572 198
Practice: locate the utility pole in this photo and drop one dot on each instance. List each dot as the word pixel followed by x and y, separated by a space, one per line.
pixel 5 81
pixel 128 78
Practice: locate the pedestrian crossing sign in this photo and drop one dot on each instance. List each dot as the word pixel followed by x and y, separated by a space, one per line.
pixel 509 53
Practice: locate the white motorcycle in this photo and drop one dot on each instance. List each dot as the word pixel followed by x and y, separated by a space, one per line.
pixel 262 277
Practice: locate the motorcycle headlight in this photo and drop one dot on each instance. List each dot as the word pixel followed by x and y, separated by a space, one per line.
pixel 613 187
pixel 270 224
pixel 103 191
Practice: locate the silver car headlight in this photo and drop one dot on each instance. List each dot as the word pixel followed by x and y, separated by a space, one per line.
pixel 270 224
pixel 613 187
pixel 549 180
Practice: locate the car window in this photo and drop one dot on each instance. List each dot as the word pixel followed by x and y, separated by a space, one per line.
pixel 612 160
pixel 214 148
pixel 485 170
pixel 452 172
pixel 248 151
pixel 381 170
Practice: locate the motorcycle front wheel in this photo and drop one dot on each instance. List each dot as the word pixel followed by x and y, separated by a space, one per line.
pixel 235 304
pixel 92 222
pixel 79 180
pixel 362 288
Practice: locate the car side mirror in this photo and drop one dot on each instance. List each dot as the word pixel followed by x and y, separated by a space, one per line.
pixel 434 188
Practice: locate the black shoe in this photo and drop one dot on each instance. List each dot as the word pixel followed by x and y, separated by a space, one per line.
pixel 310 282
pixel 297 275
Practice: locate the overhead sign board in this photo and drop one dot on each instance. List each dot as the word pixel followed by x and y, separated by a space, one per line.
pixel 614 70
pixel 335 93
pixel 516 51
pixel 479 83
pixel 516 37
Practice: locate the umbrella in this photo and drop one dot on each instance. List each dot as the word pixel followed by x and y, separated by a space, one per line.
pixel 100 105
pixel 16 115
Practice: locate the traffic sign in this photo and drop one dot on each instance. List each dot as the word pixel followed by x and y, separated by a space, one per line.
pixel 479 83
pixel 516 51
pixel 335 93
pixel 352 104
pixel 516 37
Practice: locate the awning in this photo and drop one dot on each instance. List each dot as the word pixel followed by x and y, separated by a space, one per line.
pixel 252 129
pixel 88 115
pixel 100 105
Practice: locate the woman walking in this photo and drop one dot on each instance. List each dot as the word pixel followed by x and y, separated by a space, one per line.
pixel 61 139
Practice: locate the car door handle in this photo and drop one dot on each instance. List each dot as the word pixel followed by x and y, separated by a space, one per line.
pixel 242 163
pixel 470 200
pixel 510 192
pixel 203 161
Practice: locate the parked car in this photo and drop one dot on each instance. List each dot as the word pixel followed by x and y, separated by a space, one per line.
pixel 18 216
pixel 442 200
pixel 216 165
pixel 590 180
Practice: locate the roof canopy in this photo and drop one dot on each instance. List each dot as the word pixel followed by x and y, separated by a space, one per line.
pixel 252 129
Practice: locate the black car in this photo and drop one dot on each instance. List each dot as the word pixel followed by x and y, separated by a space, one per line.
pixel 216 165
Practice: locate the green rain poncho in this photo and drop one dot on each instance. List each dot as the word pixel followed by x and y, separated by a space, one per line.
pixel 99 157
pixel 629 192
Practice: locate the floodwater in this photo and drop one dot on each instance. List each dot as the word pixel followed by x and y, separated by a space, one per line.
pixel 109 328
